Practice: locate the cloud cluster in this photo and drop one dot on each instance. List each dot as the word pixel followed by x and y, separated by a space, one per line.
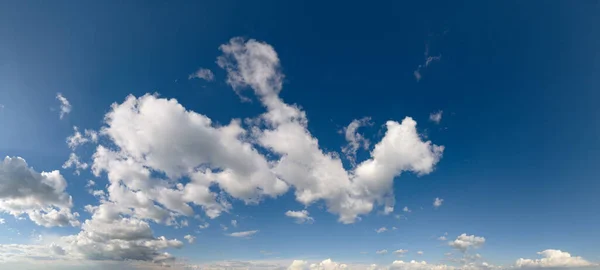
pixel 464 242
pixel 41 196
pixel 553 258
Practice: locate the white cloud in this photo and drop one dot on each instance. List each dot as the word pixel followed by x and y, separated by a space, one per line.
pixel 2 221
pixel 78 138
pixel 224 228
pixel 400 252
pixel 243 234
pixel 42 196
pixel 436 117
pixel 315 174
pixel 464 242
pixel 190 238
pixel 555 259
pixel 415 265
pixel 383 251
pixel 65 106
pixel 442 238
pixel 355 140
pixel 300 216
pixel 419 252
pixel 380 230
pixel 298 265
pixel 74 162
pixel 328 265
pixel 234 223
pixel 405 209
pixel 437 202
pixel 202 73
pixel 204 226
pixel 90 183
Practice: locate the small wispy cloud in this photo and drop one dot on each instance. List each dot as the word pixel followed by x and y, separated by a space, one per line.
pixel 383 251
pixel 234 223
pixel 428 60
pixel 406 209
pixel 190 238
pixel 400 252
pixel 436 117
pixel 300 216
pixel 65 106
pixel 437 202
pixel 380 230
pixel 243 234
pixel 202 73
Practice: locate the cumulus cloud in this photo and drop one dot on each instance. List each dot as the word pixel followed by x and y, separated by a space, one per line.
pixel 380 230
pixel 204 226
pixel 190 238
pixel 243 234
pixel 315 174
pixel 415 265
pixel 436 117
pixel 65 106
pixel 355 140
pixel 202 73
pixel 79 138
pixel 300 216
pixel 383 251
pixel 74 162
pixel 553 258
pixel 400 252
pixel 437 202
pixel 464 242
pixel 41 196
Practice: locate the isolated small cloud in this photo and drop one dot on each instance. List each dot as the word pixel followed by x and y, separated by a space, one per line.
pixel 383 251
pixel 224 228
pixel 437 202
pixel 400 252
pixel 464 242
pixel 243 234
pixel 380 230
pixel 406 209
pixel 436 117
pixel 202 73
pixel 234 223
pixel 65 106
pixel 300 216
pixel 190 238
pixel 419 252
pixel 204 226
pixel 2 221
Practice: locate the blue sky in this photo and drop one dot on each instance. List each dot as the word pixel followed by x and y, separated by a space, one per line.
pixel 508 89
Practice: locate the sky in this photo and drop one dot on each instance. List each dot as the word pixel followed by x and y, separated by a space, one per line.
pixel 299 135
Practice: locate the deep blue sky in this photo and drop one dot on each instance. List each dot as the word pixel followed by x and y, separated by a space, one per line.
pixel 517 82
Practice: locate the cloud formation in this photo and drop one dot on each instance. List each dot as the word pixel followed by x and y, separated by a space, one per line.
pixel 436 117
pixel 437 202
pixel 300 216
pixel 464 242
pixel 553 258
pixel 243 234
pixel 202 73
pixel 65 106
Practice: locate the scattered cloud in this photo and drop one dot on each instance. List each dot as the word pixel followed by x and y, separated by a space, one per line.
pixel 234 223
pixel 224 228
pixel 436 117
pixel 415 265
pixel 464 242
pixel 65 106
pixel 79 138
pixel 190 238
pixel 442 238
pixel 383 251
pixel 428 60
pixel 419 252
pixel 400 252
pixel 300 216
pixel 41 196
pixel 437 202
pixel 90 183
pixel 74 162
pixel 204 226
pixel 243 234
pixel 554 259
pixel 355 140
pixel 2 221
pixel 202 73
pixel 380 230
pixel 405 209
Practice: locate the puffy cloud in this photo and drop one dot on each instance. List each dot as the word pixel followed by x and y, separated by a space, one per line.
pixel 2 221
pixel 436 117
pixel 74 162
pixel 78 138
pixel 405 209
pixel 300 216
pixel 243 234
pixel 90 183
pixel 328 265
pixel 553 258
pixel 65 106
pixel 190 238
pixel 355 140
pixel 464 242
pixel 400 252
pixel 315 174
pixel 415 265
pixel 202 73
pixel 437 202
pixel 383 251
pixel 298 265
pixel 204 226
pixel 42 196
pixel 380 230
